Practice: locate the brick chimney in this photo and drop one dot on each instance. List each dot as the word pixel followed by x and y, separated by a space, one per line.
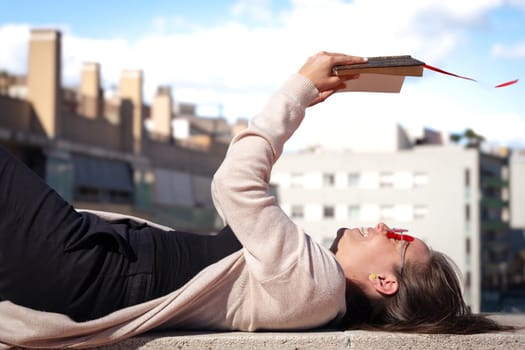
pixel 130 94
pixel 162 112
pixel 44 79
pixel 90 91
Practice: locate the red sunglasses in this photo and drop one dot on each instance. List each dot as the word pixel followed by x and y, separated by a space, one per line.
pixel 399 234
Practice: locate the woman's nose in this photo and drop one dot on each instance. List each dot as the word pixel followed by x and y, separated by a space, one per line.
pixel 381 227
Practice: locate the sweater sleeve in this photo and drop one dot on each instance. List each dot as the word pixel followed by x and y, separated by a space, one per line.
pixel 240 188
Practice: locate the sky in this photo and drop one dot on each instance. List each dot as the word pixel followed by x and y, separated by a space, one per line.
pixel 228 56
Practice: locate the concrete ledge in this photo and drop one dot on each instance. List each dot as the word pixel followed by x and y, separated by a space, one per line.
pixel 358 340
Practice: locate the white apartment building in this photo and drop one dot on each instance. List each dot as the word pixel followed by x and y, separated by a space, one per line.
pixel 434 191
pixel 517 186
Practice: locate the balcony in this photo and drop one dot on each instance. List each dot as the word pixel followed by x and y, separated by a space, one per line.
pixel 493 225
pixel 493 182
pixel 493 203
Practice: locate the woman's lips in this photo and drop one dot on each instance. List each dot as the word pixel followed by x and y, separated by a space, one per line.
pixel 362 231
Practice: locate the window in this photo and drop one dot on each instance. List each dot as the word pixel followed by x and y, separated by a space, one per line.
pixel 467 246
pixel 505 214
pixel 505 173
pixel 420 212
pixel 386 180
pixel 353 180
pixel 467 183
pixel 505 195
pixel 387 212
pixel 328 212
pixel 420 179
pixel 85 193
pixel 297 212
pixel 102 180
pixel 328 180
pixel 296 180
pixel 467 212
pixel 354 212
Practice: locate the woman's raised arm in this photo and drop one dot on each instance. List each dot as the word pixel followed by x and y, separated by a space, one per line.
pixel 271 241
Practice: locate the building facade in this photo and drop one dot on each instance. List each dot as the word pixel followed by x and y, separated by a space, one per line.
pixel 452 197
pixel 96 150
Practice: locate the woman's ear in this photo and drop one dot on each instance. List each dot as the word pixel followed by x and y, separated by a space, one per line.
pixel 385 284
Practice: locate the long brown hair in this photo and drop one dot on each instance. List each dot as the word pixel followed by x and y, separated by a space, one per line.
pixel 429 300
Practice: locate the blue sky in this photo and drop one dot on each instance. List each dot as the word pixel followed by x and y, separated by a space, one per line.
pixel 122 18
pixel 233 54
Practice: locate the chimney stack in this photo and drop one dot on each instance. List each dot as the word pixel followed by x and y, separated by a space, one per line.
pixel 90 91
pixel 43 79
pixel 130 93
pixel 162 112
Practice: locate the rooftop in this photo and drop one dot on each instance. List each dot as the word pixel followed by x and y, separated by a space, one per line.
pixel 328 340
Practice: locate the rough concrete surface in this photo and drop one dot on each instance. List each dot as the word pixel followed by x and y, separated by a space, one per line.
pixel 329 340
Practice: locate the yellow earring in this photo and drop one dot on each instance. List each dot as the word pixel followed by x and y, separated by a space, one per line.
pixel 373 276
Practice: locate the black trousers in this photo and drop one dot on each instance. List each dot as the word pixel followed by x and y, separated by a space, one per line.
pixel 53 258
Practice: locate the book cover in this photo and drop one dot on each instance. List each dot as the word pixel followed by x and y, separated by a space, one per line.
pixel 380 74
pixel 392 65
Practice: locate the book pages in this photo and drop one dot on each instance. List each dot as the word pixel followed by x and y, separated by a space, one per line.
pixel 375 83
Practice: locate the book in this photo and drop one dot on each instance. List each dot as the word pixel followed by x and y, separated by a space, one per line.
pixel 391 65
pixel 375 83
pixel 380 74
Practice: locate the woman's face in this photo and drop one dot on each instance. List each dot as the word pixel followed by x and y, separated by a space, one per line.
pixel 371 251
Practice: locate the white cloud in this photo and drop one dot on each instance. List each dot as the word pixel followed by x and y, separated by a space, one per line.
pixel 14 40
pixel 237 57
pixel 113 54
pixel 419 105
pixel 509 51
pixel 237 66
pixel 502 127
pixel 518 3
pixel 160 24
pixel 257 10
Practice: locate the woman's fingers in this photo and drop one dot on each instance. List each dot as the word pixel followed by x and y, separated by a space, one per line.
pixel 318 69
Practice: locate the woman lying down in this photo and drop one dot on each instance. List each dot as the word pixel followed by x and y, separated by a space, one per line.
pixel 79 279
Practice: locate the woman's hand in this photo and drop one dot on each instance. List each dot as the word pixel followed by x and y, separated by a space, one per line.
pixel 318 69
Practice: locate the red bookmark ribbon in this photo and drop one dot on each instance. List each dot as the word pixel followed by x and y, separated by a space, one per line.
pixel 435 69
pixel 512 82
pixel 439 70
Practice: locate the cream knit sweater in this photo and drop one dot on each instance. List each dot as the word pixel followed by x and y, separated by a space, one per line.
pixel 280 280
